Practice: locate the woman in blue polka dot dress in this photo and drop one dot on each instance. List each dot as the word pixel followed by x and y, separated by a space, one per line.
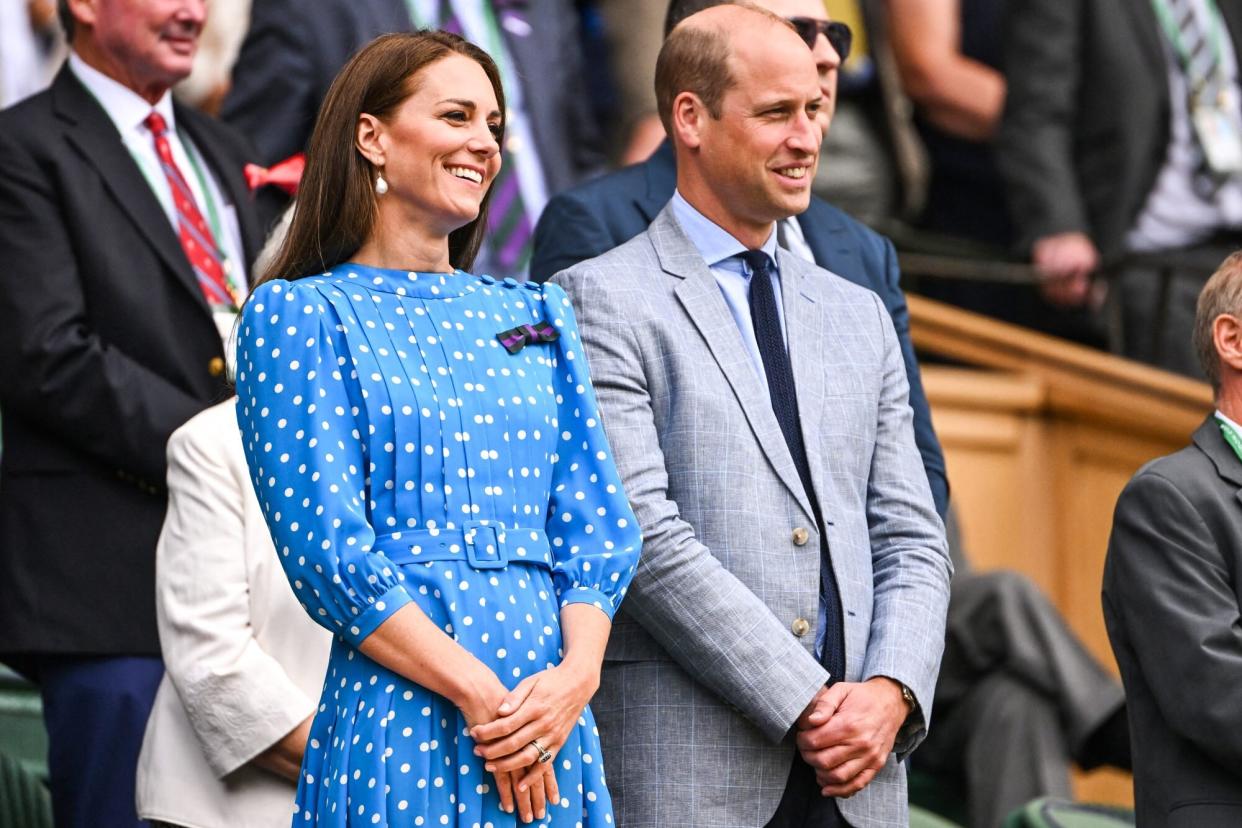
pixel 427 450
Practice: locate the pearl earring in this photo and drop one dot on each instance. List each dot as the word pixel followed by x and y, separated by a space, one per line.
pixel 381 186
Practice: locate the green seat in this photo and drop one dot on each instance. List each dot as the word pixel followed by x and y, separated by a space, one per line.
pixel 1059 813
pixel 22 735
pixel 24 801
pixel 920 818
pixel 939 794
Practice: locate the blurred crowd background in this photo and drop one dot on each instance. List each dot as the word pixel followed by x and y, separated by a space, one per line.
pixel 985 134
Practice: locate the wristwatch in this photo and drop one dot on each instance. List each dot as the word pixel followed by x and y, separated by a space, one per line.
pixel 907 696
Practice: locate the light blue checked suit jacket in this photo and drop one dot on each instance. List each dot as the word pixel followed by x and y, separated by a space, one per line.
pixel 704 675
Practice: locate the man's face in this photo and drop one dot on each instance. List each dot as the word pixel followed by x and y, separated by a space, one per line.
pixel 827 62
pixel 146 44
pixel 760 155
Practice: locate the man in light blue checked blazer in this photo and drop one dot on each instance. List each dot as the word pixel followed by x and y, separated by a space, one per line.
pixel 776 656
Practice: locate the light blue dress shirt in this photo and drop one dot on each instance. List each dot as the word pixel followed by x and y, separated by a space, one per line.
pixel 719 250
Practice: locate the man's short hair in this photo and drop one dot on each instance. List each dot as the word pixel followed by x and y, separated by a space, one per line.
pixel 1221 294
pixel 695 59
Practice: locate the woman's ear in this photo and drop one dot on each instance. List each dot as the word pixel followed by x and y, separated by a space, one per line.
pixel 369 138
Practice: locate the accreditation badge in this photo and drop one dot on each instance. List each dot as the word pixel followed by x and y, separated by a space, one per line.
pixel 1218 123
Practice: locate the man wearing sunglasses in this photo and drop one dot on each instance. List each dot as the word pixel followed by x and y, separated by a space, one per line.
pixel 591 219
pixel 810 28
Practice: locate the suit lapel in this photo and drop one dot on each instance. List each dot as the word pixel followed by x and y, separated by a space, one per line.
pixel 803 330
pixel 1212 443
pixel 230 178
pixel 93 134
pixel 700 296
pixel 1146 30
pixel 829 240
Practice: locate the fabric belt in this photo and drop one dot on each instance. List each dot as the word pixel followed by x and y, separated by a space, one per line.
pixel 482 544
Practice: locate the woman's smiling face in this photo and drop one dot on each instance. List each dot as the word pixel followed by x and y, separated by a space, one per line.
pixel 441 147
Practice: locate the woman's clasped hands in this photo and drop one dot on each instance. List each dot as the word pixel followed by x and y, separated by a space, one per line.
pixel 542 708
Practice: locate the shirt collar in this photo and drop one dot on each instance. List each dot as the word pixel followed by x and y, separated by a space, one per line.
pixel 1229 422
pixel 124 106
pixel 713 242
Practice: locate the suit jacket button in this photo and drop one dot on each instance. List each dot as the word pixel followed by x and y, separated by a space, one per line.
pixel 800 627
pixel 801 536
pixel 216 366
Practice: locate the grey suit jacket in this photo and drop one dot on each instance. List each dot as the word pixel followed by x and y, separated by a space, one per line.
pixel 1172 605
pixel 704 678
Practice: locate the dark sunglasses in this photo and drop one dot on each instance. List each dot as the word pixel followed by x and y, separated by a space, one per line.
pixel 839 35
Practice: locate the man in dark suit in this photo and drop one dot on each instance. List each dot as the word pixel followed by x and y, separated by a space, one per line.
pixel 126 232
pixel 602 214
pixel 1173 595
pixel 1108 149
pixel 290 57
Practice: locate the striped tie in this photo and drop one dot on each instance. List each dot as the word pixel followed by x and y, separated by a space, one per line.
pixel 510 232
pixel 196 239
pixel 1200 62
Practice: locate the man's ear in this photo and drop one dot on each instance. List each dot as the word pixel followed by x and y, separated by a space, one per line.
pixel 370 139
pixel 1227 337
pixel 689 118
pixel 84 12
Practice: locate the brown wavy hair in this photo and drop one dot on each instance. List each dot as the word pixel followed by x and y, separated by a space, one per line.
pixel 335 209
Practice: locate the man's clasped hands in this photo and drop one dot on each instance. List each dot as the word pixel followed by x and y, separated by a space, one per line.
pixel 847 732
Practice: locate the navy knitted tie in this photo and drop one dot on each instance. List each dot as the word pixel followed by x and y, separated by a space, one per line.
pixel 767 322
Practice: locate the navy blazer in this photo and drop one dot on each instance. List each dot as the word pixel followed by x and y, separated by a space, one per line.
pixel 107 346
pixel 595 217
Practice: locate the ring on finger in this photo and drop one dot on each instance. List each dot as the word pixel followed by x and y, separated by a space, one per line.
pixel 545 755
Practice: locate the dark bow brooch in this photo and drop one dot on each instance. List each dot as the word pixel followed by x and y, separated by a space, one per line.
pixel 515 339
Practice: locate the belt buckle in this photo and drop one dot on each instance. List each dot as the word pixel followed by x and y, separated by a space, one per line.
pixel 485 545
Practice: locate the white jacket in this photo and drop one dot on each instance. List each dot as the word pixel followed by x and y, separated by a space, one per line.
pixel 245 663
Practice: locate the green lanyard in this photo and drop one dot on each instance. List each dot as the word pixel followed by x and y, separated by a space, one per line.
pixel 1231 436
pixel 1175 36
pixel 213 217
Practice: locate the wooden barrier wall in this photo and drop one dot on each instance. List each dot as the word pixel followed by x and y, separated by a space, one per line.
pixel 1040 436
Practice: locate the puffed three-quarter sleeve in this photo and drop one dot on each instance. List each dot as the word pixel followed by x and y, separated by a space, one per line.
pixel 594 535
pixel 302 422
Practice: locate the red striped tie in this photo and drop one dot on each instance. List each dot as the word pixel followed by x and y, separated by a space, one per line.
pixel 196 239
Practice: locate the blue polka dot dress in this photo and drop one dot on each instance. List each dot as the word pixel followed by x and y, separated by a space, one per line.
pixel 402 453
